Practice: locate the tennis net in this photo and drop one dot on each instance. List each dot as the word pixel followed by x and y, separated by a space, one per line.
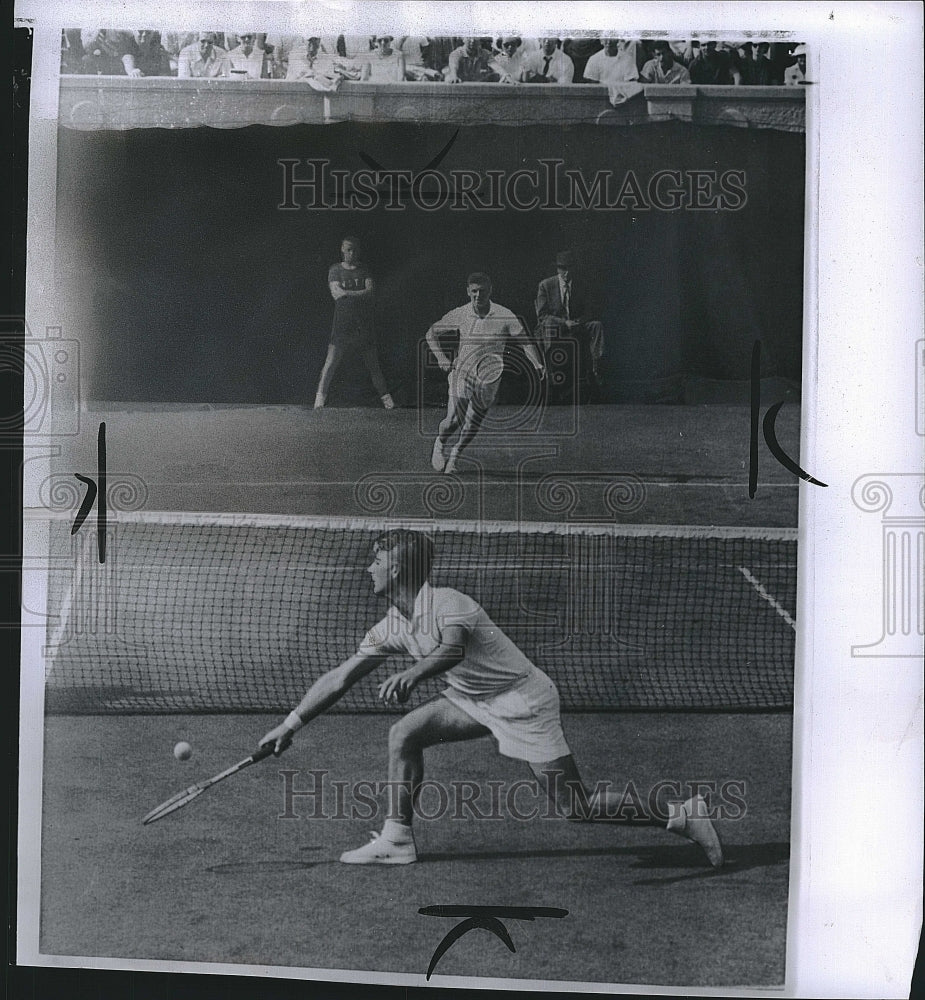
pixel 240 613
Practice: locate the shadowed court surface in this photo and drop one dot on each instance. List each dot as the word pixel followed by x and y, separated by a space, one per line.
pixel 228 879
pixel 677 464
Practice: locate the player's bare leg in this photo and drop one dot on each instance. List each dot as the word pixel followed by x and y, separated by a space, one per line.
pixel 371 360
pixel 438 721
pixel 569 796
pixel 472 421
pixel 331 363
pixel 455 414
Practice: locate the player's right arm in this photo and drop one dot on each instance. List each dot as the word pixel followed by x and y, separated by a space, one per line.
pixel 328 689
pixel 433 342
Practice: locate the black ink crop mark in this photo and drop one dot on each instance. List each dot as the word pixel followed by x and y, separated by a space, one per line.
pixel 767 427
pixel 785 460
pixel 486 917
pixel 95 491
pixel 432 165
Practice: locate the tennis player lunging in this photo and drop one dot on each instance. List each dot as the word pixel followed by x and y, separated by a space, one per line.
pixel 484 328
pixel 493 689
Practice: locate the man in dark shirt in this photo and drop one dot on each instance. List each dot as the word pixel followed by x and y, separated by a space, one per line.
pixel 562 310
pixel 711 67
pixel 150 55
pixel 109 53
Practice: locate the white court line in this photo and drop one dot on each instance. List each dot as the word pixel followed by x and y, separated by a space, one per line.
pixel 782 611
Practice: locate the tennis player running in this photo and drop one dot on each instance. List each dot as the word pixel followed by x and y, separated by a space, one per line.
pixel 493 689
pixel 484 328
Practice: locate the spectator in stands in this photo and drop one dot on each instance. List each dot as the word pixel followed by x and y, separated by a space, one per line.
pixel 780 58
pixel 203 58
pixel 663 68
pixel 754 67
pixel 414 50
pixel 174 42
pixel 108 53
pixel 711 66
pixel 684 51
pixel 385 64
pixel 470 63
pixel 148 55
pixel 562 311
pixel 580 50
pixel 615 63
pixel 279 47
pixel 437 52
pixel 764 71
pixel 72 51
pixel 508 62
pixel 322 70
pixel 741 62
pixel 795 75
pixel 247 60
pixel 549 65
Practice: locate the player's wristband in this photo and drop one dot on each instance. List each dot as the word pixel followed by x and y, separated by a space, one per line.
pixel 293 721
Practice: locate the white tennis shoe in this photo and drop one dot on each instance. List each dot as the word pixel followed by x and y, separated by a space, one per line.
pixel 450 466
pixel 691 821
pixel 437 457
pixel 381 852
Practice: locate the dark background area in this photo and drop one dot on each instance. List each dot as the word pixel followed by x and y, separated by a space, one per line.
pixel 190 285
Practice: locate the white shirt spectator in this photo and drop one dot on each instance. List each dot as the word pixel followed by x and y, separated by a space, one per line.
pixel 559 67
pixel 191 62
pixel 251 64
pixel 619 68
pixel 794 76
pixel 509 67
pixel 652 72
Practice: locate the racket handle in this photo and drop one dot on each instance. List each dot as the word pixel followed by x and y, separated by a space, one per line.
pixel 263 752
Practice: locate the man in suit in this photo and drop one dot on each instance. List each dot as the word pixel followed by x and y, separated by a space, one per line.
pixel 562 311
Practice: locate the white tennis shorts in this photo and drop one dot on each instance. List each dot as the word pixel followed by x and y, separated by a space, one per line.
pixel 523 719
pixel 478 380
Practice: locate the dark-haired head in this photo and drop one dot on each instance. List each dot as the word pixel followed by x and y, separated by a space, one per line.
pixel 412 551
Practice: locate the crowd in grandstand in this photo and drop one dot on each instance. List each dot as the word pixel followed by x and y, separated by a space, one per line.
pixel 323 62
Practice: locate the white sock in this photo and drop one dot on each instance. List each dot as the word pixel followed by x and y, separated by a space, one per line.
pixel 388 402
pixel 396 832
pixel 319 401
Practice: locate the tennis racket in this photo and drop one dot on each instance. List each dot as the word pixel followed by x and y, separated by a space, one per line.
pixel 184 798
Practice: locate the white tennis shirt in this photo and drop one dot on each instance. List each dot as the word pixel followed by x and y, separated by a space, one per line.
pixel 480 335
pixel 492 663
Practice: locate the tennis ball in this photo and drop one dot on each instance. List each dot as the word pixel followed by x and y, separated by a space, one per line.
pixel 183 751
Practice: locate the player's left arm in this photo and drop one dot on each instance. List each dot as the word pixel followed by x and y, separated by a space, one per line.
pixel 451 651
